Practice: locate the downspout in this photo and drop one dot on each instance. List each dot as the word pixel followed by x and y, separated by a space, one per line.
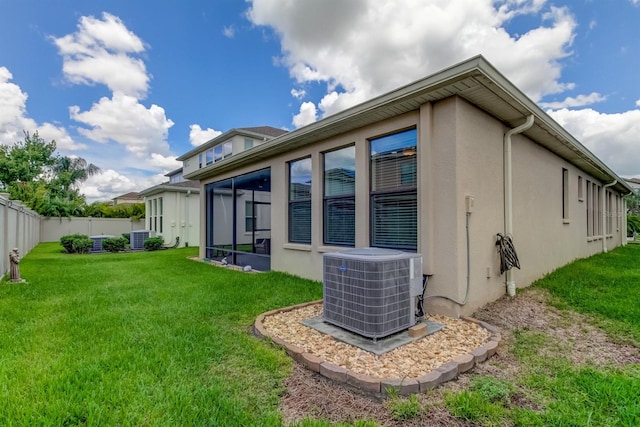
pixel 604 214
pixel 508 189
pixel 187 230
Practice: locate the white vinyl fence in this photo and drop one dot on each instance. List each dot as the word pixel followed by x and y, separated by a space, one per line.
pixel 52 229
pixel 19 228
pixel 22 228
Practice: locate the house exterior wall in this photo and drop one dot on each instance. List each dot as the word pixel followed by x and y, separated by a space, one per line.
pixel 180 217
pixel 460 154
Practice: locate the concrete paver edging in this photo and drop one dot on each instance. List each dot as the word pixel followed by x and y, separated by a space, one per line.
pixel 445 372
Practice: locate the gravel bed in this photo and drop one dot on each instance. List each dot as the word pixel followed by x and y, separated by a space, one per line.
pixel 412 360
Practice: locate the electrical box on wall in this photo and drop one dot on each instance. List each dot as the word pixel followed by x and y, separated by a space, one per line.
pixel 469 202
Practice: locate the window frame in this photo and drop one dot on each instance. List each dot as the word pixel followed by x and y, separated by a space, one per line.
pixel 328 200
pixel 294 204
pixel 399 194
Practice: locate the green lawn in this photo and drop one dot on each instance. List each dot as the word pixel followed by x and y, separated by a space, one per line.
pixel 155 339
pixel 140 339
pixel 607 288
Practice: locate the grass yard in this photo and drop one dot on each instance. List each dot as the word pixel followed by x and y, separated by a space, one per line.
pixel 143 339
pixel 155 339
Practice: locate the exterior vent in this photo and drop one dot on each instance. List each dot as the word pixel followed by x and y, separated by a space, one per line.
pixel 138 237
pixel 371 291
pixel 97 242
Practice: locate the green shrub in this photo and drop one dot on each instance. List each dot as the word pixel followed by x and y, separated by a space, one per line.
pixel 153 243
pixel 82 245
pixel 114 244
pixel 68 241
pixel 127 237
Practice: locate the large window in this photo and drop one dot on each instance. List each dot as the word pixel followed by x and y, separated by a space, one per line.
pixel 300 201
pixel 339 197
pixel 394 219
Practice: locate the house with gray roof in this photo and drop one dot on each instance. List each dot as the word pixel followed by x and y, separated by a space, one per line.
pixel 460 166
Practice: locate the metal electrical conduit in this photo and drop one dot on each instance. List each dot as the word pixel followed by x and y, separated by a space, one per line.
pixel 425 280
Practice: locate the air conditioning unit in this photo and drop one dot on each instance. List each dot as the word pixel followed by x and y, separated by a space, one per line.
pixel 371 291
pixel 137 238
pixel 97 242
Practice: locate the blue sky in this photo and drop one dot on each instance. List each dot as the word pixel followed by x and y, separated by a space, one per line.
pixel 129 86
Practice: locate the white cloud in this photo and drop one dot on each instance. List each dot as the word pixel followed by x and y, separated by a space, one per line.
pixel 298 93
pixel 166 163
pixel 638 101
pixel 198 136
pixel 124 120
pixel 613 138
pixel 101 52
pixel 14 119
pixel 578 101
pixel 109 183
pixel 373 46
pixel 229 31
pixel 307 114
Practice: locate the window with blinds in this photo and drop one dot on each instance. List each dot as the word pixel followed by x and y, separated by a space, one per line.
pixel 300 201
pixel 394 217
pixel 339 197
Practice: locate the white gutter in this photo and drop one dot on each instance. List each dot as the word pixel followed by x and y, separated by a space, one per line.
pixel 508 190
pixel 604 214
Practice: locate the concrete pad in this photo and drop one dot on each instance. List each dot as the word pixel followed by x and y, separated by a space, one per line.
pixel 379 346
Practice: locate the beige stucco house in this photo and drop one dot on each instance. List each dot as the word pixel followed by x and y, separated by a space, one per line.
pixel 440 167
pixel 172 210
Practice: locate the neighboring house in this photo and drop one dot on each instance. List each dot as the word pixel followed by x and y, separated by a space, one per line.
pixel 173 209
pixel 230 143
pixel 440 167
pixel 128 199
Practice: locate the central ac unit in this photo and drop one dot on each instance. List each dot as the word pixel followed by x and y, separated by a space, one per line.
pixel 371 291
pixel 97 242
pixel 137 238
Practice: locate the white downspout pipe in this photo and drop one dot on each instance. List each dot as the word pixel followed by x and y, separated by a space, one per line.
pixel 187 231
pixel 508 190
pixel 604 214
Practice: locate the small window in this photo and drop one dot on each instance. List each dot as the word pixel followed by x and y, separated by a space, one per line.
pixel 589 210
pixel 227 149
pixel 217 153
pixel 248 143
pixel 565 194
pixel 209 156
pixel 580 190
pixel 200 160
pixel 300 201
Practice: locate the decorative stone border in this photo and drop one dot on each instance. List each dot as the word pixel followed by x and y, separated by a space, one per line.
pixel 404 386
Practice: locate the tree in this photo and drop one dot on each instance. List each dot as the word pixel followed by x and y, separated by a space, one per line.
pixel 45 182
pixel 26 161
pixel 68 173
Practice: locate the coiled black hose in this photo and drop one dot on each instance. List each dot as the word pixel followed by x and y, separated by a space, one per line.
pixel 508 256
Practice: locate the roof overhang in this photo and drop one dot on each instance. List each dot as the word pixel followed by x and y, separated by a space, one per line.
pixel 474 80
pixel 168 188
